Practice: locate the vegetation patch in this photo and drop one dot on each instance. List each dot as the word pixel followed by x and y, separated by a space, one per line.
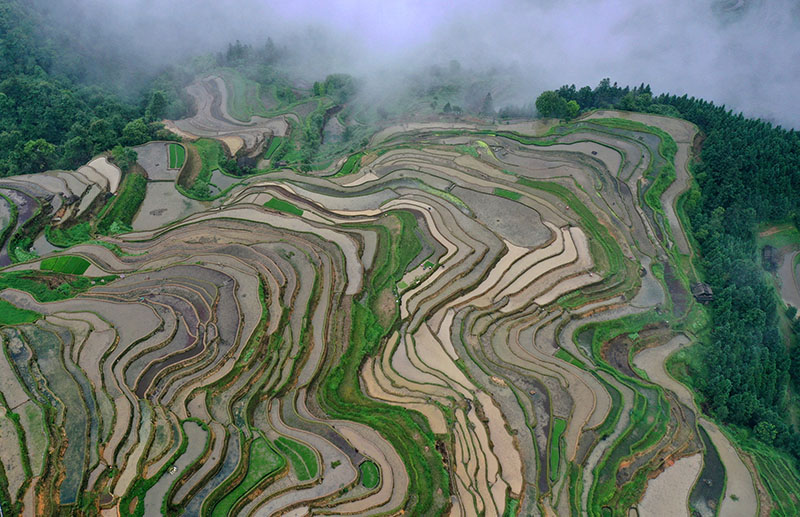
pixel 48 286
pixel 263 462
pixel 66 237
pixel 69 264
pixel 211 154
pixel 559 425
pixel 350 165
pixel 370 474
pixel 12 315
pixel 177 156
pixel 303 459
pixel 283 206
pixel 508 194
pixel 119 216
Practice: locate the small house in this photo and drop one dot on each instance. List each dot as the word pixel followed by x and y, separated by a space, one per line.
pixel 702 292
pixel 769 258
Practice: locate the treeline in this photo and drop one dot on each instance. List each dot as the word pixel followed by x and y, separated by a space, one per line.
pixel 50 120
pixel 748 173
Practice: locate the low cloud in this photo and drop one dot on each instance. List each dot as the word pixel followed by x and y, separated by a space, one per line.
pixel 741 53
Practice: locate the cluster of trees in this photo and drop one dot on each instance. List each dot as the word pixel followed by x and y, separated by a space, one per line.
pixel 552 105
pixel 339 87
pixel 49 120
pixel 748 174
pixel 239 54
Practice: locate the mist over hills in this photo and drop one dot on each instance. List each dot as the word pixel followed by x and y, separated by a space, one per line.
pixel 744 54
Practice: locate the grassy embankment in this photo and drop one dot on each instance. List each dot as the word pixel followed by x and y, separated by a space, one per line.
pixel 263 461
pixel 177 156
pixel 302 458
pixel 283 206
pixel 340 394
pixel 119 215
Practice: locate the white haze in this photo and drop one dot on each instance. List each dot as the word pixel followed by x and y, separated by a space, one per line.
pixel 741 53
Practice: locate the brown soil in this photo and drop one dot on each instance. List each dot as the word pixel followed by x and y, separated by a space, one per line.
pixel 769 231
pixel 52 281
pixel 697 145
pixel 679 296
pixel 386 306
pixel 191 168
pixel 616 353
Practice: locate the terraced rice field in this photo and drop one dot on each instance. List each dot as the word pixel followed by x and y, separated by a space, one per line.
pixel 466 323
pixel 177 156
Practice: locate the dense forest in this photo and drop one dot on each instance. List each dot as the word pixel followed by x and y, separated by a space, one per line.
pixel 748 173
pixel 50 118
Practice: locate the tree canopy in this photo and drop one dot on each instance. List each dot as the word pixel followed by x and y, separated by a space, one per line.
pixel 747 173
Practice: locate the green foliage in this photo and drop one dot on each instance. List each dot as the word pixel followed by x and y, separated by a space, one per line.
pixel 211 154
pixel 12 315
pixel 48 115
pixel 69 264
pixel 508 194
pixel 137 132
pixel 120 214
pixel 302 458
pixel 177 156
pixel 765 431
pixel 283 206
pixel 38 154
pixel 263 462
pixel 468 149
pixel 370 475
pixel 552 105
pixel 156 106
pixel 351 165
pixel 339 87
pixel 559 425
pixel 49 286
pixel 124 157
pixel 511 507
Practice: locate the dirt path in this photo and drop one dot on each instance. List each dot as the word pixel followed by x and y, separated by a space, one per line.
pixel 790 292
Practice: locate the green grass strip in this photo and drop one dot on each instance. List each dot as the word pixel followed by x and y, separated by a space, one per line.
pixel 69 264
pixel 514 196
pixel 302 458
pixel 559 425
pixel 47 286
pixel 119 217
pixel 283 206
pixel 566 356
pixel 350 166
pixel 177 156
pixel 13 315
pixel 274 144
pixel 264 460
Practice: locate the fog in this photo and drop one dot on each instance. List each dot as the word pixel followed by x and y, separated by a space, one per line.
pixel 741 53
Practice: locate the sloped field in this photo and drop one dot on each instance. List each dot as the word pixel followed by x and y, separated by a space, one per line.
pixel 448 327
